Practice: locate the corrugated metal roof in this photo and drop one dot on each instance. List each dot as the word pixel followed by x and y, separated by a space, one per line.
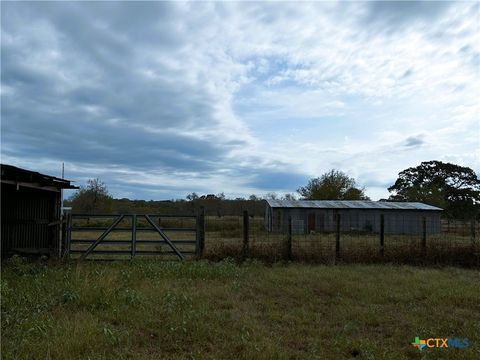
pixel 350 204
pixel 13 173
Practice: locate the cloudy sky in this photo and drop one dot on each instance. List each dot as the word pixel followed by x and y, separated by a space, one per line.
pixel 160 99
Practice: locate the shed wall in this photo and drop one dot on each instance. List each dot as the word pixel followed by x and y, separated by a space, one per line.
pixel 26 215
pixel 360 220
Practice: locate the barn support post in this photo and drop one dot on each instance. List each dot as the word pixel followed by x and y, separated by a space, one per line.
pixel 200 237
pixel 245 248
pixel 424 234
pixel 289 239
pixel 134 235
pixel 382 235
pixel 337 236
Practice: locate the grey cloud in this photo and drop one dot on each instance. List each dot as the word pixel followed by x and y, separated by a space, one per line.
pixel 407 73
pixel 49 118
pixel 395 15
pixel 414 141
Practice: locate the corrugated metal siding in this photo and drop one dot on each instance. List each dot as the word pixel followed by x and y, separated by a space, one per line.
pixel 361 220
pixel 350 204
pixel 26 214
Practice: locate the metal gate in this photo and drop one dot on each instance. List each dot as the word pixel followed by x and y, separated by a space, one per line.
pixel 116 237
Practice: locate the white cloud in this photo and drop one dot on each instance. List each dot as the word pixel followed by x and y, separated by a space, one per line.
pixel 239 87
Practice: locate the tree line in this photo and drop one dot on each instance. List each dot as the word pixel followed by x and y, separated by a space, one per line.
pixel 454 188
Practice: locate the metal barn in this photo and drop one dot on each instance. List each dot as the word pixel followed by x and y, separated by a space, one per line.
pixel 309 216
pixel 31 205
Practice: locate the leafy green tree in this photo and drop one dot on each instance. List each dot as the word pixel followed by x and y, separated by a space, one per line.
pixel 93 198
pixel 452 187
pixel 333 185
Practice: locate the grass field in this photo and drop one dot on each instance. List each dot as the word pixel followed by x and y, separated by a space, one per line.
pixel 152 310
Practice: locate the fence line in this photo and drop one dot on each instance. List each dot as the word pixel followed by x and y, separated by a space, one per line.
pixel 245 236
pixel 414 240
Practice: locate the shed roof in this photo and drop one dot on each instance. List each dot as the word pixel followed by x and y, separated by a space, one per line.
pixel 350 204
pixel 13 174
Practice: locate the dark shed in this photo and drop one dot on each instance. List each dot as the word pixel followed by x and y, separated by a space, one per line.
pixel 356 215
pixel 31 205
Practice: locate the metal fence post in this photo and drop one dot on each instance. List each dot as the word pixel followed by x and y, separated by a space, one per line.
pixel 200 231
pixel 382 234
pixel 245 235
pixel 289 239
pixel 424 234
pixel 337 237
pixel 134 235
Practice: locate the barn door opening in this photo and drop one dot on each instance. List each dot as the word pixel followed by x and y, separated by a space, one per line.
pixel 311 222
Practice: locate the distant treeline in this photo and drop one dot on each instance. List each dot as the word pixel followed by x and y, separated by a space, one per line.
pixel 213 207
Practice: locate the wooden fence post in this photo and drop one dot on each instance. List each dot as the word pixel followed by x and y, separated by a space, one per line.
pixel 63 235
pixel 134 235
pixel 472 231
pixel 68 236
pixel 382 235
pixel 337 237
pixel 200 232
pixel 424 234
pixel 289 239
pixel 245 235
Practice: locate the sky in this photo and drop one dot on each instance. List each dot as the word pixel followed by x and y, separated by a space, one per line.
pixel 161 99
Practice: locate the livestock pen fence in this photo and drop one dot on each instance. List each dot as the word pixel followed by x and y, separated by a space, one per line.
pixel 245 236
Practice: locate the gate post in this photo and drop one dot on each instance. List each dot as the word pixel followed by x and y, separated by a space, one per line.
pixel 245 235
pixel 134 235
pixel 63 235
pixel 68 236
pixel 200 232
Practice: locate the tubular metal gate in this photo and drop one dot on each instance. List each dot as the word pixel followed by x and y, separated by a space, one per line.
pixel 115 237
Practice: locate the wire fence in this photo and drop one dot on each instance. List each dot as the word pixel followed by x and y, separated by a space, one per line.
pixel 403 239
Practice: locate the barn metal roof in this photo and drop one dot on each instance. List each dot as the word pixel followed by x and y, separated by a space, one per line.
pixel 350 204
pixel 14 174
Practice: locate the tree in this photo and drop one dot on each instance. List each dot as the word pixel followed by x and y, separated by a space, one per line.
pixel 333 185
pixel 289 197
pixel 452 187
pixel 193 196
pixel 92 198
pixel 271 196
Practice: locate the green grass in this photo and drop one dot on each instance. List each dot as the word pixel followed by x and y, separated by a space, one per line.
pixel 152 310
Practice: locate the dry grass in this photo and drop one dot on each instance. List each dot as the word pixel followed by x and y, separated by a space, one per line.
pixel 152 310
